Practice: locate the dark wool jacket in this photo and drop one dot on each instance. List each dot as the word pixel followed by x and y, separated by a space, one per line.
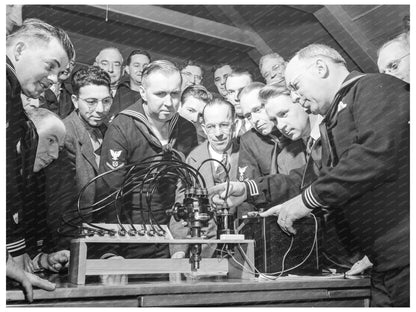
pixel 129 140
pixel 123 98
pixel 365 165
pixel 18 166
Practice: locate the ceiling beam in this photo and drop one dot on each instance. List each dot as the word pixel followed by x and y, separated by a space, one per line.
pixel 171 22
pixel 235 17
pixel 307 8
pixel 349 36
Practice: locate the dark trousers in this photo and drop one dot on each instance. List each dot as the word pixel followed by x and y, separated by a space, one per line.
pixel 391 288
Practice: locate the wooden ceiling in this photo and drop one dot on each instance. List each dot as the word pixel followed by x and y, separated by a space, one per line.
pixel 231 33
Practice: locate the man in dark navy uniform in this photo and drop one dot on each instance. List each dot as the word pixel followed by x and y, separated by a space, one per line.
pixel 365 170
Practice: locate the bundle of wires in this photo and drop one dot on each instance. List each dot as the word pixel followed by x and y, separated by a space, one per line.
pixel 142 177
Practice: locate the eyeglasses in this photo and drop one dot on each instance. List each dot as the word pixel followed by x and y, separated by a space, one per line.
pixel 254 110
pixel 277 67
pixel 294 85
pixel 93 103
pixel 225 127
pixel 394 65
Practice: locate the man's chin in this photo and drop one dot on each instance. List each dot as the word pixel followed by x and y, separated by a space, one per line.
pixel 95 123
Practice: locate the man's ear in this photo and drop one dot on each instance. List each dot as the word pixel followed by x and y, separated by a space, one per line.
pixel 74 99
pixel 18 50
pixel 143 93
pixel 126 70
pixel 322 68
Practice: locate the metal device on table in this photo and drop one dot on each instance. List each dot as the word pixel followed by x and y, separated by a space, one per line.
pixel 195 210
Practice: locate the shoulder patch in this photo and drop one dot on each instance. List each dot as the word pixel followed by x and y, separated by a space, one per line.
pixel 115 163
pixel 242 173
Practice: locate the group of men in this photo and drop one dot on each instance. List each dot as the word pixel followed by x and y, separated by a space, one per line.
pixel 315 137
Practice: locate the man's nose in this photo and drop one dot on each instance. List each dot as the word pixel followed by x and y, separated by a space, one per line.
pixel 218 133
pixel 295 97
pixel 281 125
pixel 168 100
pixel 111 68
pixel 236 98
pixel 53 78
pixel 100 107
pixel 54 151
pixel 194 117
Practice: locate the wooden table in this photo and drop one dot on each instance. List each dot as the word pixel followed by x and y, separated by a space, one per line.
pixel 285 291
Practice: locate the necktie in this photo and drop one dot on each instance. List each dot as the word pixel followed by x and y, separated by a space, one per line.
pixel 96 140
pixel 276 151
pixel 220 175
pixel 313 162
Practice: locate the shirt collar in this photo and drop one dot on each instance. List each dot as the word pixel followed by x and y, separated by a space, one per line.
pixel 216 155
pixel 315 121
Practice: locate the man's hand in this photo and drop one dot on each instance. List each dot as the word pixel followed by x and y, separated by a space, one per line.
pixel 273 211
pixel 55 261
pixel 26 279
pixel 237 194
pixel 288 212
pixel 24 262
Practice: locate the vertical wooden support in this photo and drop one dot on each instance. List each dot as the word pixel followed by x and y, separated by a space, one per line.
pixel 78 263
pixel 244 269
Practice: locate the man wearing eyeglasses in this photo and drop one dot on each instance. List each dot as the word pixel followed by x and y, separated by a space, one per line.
pixel 272 68
pixel 192 74
pixel 85 128
pixel 365 162
pixel 218 124
pixel 394 58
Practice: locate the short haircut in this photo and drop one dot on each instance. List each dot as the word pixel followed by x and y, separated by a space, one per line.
pixel 251 87
pixel 92 75
pixel 164 66
pixel 219 65
pixel 198 92
pixel 219 101
pixel 239 71
pixel 273 55
pixel 110 48
pixel 192 63
pixel 317 49
pixel 271 91
pixel 34 30
pixel 402 40
pixel 39 115
pixel 138 52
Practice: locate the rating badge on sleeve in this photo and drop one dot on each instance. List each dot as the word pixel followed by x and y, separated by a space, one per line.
pixel 115 163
